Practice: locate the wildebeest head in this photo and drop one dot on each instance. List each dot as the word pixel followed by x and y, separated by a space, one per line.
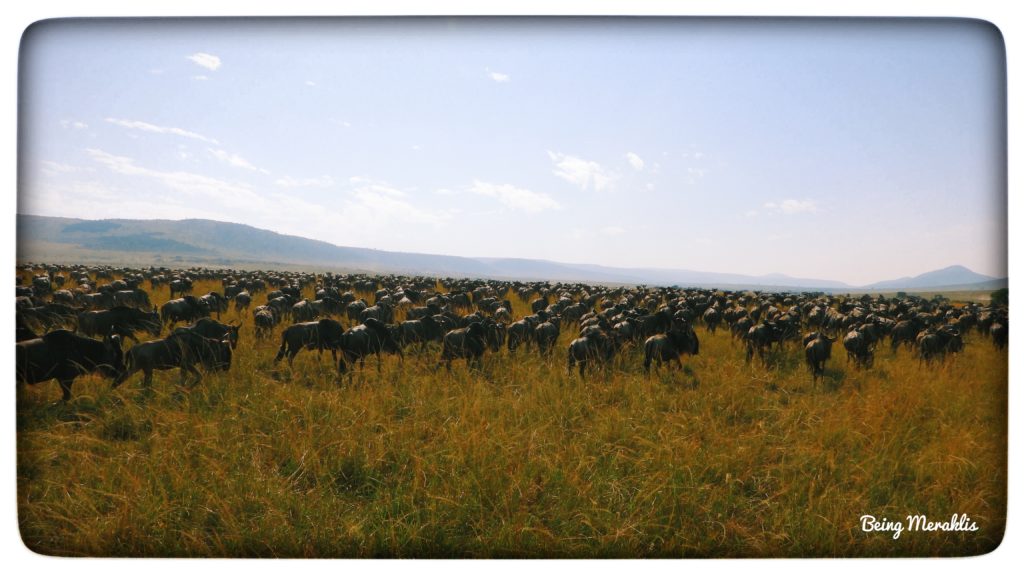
pixel 388 344
pixel 113 360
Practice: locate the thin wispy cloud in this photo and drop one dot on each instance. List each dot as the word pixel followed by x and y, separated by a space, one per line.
pixel 208 61
pixel 635 161
pixel 514 197
pixel 792 206
pixel 588 175
pixel 200 78
pixel 234 160
pixel 73 124
pixel 147 127
pixel 498 76
pixel 310 83
pixel 290 182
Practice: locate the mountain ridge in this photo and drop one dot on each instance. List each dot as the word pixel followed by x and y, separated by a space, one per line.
pixel 209 242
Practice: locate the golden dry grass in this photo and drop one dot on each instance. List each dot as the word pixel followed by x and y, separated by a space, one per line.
pixel 521 459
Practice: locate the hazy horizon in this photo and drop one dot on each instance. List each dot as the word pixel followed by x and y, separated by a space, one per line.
pixel 852 151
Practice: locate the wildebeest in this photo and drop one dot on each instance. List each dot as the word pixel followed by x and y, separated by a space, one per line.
pixel 319 335
pixel 519 333
pixel 419 331
pixel 936 342
pixel 183 349
pixel 213 329
pixel 904 332
pixel 187 309
pixel 711 318
pixel 264 319
pixel 242 301
pixel 594 347
pixel 759 339
pixel 181 286
pixel 999 334
pixel 372 337
pixel 466 343
pixel 858 348
pixel 122 321
pixel 817 350
pixel 63 355
pixel 669 346
pixel 546 334
pixel 214 303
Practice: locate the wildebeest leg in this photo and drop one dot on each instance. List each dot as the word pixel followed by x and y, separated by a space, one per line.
pixel 281 352
pixel 65 389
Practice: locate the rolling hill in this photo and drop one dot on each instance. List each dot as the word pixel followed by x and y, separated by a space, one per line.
pixel 189 242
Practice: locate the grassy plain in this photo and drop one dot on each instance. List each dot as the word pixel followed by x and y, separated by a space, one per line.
pixel 521 459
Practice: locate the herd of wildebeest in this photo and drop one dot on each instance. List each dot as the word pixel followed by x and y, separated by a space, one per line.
pixel 73 319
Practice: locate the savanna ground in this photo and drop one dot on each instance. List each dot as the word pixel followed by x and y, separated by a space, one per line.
pixel 521 459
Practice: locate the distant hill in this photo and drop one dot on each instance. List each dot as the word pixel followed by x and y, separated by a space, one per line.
pixel 209 243
pixel 954 275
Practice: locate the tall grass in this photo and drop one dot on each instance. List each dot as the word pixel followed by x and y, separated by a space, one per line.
pixel 520 459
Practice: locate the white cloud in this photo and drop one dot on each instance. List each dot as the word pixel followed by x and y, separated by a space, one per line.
pixel 55 167
pixel 792 206
pixel 322 181
pixel 635 161
pixel 310 83
pixel 374 204
pixel 73 124
pixel 234 160
pixel 585 174
pixel 146 127
pixel 514 197
pixel 208 61
pixel 499 77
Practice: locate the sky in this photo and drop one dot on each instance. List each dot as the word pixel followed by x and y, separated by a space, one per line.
pixel 849 150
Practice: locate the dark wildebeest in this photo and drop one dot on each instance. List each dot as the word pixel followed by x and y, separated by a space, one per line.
pixel 519 333
pixel 319 335
pixel 999 334
pixel 904 332
pixel 132 298
pixel 213 329
pixel 371 338
pixel 124 321
pixel 181 286
pixel 817 350
pixel 711 319
pixel 214 303
pixel 304 311
pixel 354 310
pixel 186 309
pixel 265 319
pixel 759 338
pixel 63 355
pixel 669 346
pixel 419 331
pixel 242 301
pixel 858 347
pixel 466 343
pixel 183 349
pixel 596 346
pixel 546 334
pixel 937 342
pixel 382 312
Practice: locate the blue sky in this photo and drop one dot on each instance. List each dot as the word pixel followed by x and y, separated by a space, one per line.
pixel 855 151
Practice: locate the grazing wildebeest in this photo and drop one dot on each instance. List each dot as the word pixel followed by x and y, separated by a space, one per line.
pixel 546 334
pixel 242 301
pixel 382 312
pixel 183 349
pixel 372 337
pixel 186 309
pixel 419 331
pixel 181 286
pixel 858 347
pixel 711 319
pixel 936 342
pixel 303 311
pixel 466 343
pixel 596 346
pixel 817 350
pixel 265 319
pixel 904 332
pixel 519 333
pixel 354 310
pixel 213 329
pixel 214 302
pixel 759 338
pixel 132 298
pixel 1000 335
pixel 122 321
pixel 669 346
pixel 63 355
pixel 319 335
